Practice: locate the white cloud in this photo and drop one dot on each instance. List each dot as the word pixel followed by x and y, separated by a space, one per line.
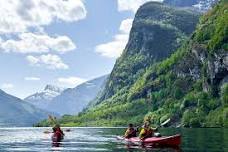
pixel 19 15
pixel 126 25
pixel 114 48
pixel 70 81
pixel 7 86
pixel 32 79
pixel 49 61
pixel 33 60
pixel 37 43
pixel 132 5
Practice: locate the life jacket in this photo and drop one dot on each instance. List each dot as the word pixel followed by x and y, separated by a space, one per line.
pixel 130 132
pixel 60 131
pixel 146 133
pixel 150 132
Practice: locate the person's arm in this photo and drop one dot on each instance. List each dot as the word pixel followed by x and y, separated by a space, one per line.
pixel 126 133
pixel 138 129
pixel 142 134
pixel 62 132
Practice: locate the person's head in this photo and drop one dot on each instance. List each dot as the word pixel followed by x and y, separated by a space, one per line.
pixel 146 125
pixel 130 125
pixel 57 126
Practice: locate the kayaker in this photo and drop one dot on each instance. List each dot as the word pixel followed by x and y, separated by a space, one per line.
pixel 130 132
pixel 57 135
pixel 57 130
pixel 146 131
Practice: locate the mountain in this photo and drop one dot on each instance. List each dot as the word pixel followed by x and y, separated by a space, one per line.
pixel 201 5
pixel 43 98
pixel 74 100
pixel 188 87
pixel 191 86
pixel 16 112
pixel 157 31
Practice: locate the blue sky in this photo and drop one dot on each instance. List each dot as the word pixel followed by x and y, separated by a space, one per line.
pixel 60 42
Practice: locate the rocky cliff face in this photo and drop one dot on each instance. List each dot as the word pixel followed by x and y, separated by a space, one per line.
pixel 215 68
pixel 193 82
pixel 209 50
pixel 158 30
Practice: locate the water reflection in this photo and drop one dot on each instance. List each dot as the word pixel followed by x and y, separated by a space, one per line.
pixel 56 144
pixel 132 148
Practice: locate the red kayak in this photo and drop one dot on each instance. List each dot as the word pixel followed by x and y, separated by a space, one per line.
pixel 173 141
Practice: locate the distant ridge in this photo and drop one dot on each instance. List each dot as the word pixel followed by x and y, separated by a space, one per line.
pixel 16 112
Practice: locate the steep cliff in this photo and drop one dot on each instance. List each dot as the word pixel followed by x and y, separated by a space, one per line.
pixel 191 86
pixel 158 30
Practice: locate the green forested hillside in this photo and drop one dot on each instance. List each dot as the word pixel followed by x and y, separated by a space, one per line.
pixel 158 30
pixel 189 87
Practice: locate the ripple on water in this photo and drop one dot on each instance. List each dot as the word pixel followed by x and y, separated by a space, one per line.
pixel 104 139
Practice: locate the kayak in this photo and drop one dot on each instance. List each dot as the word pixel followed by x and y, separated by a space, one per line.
pixel 174 140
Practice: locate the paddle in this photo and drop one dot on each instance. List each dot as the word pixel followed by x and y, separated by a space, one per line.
pixel 157 134
pixel 67 130
pixel 137 129
pixel 52 121
pixel 163 124
pixel 49 132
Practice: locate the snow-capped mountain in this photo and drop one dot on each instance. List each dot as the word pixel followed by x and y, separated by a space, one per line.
pixel 74 100
pixel 201 5
pixel 16 112
pixel 204 5
pixel 43 98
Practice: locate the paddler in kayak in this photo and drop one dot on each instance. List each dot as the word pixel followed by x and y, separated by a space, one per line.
pixel 130 132
pixel 58 134
pixel 146 131
pixel 57 126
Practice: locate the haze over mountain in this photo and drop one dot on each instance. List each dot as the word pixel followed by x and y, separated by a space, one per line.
pixel 16 112
pixel 74 100
pixel 201 5
pixel 43 98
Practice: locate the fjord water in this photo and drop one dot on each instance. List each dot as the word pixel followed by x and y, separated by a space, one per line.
pixel 104 139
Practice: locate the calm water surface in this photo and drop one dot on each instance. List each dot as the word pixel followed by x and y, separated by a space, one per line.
pixel 104 139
